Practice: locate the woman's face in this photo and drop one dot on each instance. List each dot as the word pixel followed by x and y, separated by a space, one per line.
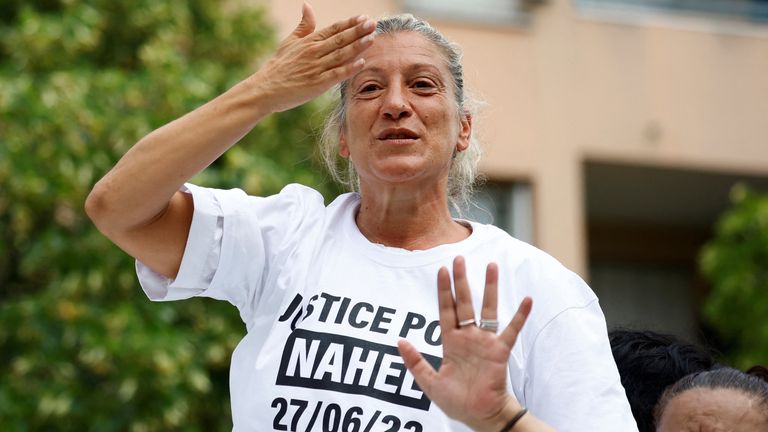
pixel 402 125
pixel 712 410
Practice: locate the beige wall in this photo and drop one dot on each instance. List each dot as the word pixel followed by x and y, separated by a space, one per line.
pixel 658 90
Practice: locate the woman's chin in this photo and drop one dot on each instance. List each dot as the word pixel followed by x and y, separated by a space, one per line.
pixel 403 176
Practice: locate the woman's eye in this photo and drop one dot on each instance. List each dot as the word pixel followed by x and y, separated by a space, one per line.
pixel 369 88
pixel 423 84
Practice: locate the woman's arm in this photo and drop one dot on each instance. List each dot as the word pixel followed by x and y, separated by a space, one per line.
pixel 137 204
pixel 471 384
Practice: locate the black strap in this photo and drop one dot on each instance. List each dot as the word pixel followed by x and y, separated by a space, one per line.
pixel 514 420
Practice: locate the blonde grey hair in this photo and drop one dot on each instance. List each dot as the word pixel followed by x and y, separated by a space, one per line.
pixel 463 171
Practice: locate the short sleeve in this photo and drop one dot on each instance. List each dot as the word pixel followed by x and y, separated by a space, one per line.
pixel 201 253
pixel 572 381
pixel 235 245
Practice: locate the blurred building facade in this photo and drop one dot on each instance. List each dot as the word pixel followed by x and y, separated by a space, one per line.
pixel 612 130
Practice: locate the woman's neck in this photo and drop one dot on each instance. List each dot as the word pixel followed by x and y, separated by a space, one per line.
pixel 408 220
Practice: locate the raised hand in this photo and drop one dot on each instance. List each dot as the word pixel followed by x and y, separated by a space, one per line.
pixel 309 62
pixel 471 384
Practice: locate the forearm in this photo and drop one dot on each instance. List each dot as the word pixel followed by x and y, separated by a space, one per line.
pixel 140 186
pixel 525 423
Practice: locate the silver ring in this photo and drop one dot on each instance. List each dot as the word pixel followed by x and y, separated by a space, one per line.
pixel 466 322
pixel 491 325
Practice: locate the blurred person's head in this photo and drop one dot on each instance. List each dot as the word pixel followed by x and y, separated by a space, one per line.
pixel 648 363
pixel 723 399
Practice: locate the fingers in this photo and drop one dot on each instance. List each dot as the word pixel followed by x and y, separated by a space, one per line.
pixel 490 295
pixel 422 371
pixel 338 46
pixel 510 333
pixel 307 24
pixel 445 303
pixel 348 43
pixel 343 72
pixel 340 27
pixel 454 312
pixel 464 309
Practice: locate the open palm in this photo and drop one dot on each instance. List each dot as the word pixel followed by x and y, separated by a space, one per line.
pixel 471 384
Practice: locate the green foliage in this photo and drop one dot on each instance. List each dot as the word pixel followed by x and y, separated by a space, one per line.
pixel 736 264
pixel 82 80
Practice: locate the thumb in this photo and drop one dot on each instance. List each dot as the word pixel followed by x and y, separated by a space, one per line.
pixel 422 371
pixel 307 23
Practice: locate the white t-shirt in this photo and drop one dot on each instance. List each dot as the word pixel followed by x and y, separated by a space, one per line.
pixel 324 309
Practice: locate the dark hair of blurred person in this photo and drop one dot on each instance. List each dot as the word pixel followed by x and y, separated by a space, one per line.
pixel 759 371
pixel 648 363
pixel 723 399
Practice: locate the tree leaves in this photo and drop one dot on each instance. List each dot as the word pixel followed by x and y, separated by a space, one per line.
pixel 82 81
pixel 736 264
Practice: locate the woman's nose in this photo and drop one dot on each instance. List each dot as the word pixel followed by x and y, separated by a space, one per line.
pixel 396 105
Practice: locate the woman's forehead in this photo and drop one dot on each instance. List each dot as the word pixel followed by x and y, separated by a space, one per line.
pixel 707 408
pixel 405 50
pixel 405 69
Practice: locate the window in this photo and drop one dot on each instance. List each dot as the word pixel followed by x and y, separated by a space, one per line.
pixel 502 12
pixel 749 10
pixel 509 206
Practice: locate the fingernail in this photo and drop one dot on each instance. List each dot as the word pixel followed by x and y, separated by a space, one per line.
pixel 361 18
pixel 367 39
pixel 369 25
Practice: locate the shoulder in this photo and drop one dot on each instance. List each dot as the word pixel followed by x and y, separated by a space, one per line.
pixel 524 260
pixel 236 200
pixel 312 202
pixel 530 271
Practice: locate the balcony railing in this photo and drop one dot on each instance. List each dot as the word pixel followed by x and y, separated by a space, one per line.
pixel 747 10
pixel 494 12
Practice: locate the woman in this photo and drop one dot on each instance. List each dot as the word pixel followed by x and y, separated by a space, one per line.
pixel 649 362
pixel 332 295
pixel 723 399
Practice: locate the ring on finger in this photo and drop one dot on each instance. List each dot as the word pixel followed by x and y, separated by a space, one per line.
pixel 491 325
pixel 466 322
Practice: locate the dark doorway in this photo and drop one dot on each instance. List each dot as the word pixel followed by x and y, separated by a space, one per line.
pixel 646 226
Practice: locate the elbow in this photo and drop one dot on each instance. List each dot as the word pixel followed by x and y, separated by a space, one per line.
pixel 97 207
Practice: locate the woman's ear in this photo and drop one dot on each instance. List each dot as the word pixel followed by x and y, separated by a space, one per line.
pixel 464 133
pixel 343 147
